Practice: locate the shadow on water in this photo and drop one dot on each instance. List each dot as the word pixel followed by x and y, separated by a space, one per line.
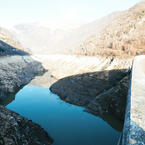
pixel 102 93
pixel 110 119
pixel 84 89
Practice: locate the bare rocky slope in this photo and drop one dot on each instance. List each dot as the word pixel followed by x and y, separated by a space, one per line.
pixel 124 36
pixel 100 84
pixel 104 90
pixel 17 69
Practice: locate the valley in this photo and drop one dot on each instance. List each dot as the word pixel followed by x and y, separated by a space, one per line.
pixel 74 85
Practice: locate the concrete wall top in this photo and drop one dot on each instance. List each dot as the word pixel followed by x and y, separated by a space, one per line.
pixel 134 126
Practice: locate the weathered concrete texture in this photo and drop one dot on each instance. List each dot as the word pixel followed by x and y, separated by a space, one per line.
pixel 15 72
pixel 134 126
pixel 16 130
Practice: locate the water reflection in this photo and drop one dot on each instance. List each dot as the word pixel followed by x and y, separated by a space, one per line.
pixel 66 123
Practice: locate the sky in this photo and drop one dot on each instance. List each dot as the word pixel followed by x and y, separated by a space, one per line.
pixel 82 11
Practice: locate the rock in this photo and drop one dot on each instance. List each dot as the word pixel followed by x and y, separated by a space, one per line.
pixel 16 130
pixel 112 101
pixel 102 92
pixel 17 71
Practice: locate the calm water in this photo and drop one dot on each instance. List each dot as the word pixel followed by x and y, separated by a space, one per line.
pixel 66 124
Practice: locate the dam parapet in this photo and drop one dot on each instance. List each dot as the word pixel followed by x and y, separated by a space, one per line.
pixel 134 126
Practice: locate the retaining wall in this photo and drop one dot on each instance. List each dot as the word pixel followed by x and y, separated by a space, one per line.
pixel 134 125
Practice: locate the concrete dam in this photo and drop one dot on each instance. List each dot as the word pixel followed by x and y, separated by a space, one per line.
pixel 134 125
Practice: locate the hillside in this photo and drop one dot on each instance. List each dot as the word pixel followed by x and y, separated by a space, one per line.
pixel 80 34
pixel 9 45
pixel 124 36
pixel 40 38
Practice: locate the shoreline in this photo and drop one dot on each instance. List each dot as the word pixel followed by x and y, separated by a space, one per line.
pixel 16 72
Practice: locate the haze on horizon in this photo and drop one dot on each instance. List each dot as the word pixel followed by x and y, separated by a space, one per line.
pixel 73 12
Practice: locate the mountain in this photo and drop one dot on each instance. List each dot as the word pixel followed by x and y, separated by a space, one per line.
pixel 78 35
pixel 9 44
pixel 124 36
pixel 41 38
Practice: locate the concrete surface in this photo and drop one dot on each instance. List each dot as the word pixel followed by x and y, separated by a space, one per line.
pixel 134 126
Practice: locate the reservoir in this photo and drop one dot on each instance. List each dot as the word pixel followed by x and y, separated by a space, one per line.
pixel 67 124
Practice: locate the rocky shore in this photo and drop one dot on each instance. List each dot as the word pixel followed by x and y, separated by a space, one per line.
pixel 99 84
pixel 102 92
pixel 15 72
pixel 17 130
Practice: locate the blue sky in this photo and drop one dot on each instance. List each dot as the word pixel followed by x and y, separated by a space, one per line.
pixel 19 11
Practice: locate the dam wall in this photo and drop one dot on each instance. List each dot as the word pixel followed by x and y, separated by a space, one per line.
pixel 134 125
